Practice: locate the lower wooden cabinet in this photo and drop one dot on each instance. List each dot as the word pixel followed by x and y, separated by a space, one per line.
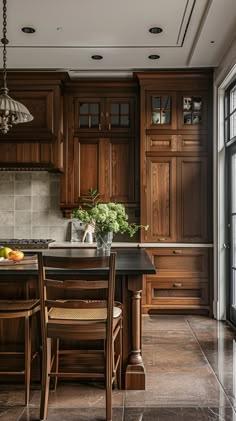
pixel 182 281
pixel 177 293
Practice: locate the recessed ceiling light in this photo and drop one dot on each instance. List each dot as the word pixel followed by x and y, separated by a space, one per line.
pixel 28 30
pixel 153 56
pixel 155 30
pixel 212 42
pixel 97 57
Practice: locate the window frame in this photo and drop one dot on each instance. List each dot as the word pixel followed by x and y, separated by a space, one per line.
pixel 228 113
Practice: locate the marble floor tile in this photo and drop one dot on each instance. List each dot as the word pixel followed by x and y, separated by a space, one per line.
pixel 78 395
pixel 11 413
pixel 13 395
pixel 172 389
pixel 151 322
pixel 74 414
pixel 190 366
pixel 173 358
pixel 179 414
pixel 150 337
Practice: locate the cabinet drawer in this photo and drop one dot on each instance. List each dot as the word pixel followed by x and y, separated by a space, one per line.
pixel 180 262
pixel 162 142
pixel 177 292
pixel 192 142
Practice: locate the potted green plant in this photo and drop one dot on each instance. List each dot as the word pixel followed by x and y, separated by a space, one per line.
pixel 106 218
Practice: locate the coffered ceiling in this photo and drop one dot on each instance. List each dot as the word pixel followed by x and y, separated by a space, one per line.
pixel 196 33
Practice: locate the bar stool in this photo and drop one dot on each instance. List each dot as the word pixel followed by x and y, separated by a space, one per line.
pixel 20 309
pixel 76 313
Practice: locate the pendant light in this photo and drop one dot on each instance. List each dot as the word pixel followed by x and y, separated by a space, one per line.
pixel 11 111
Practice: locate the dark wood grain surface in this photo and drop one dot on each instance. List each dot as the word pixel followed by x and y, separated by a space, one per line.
pixel 129 262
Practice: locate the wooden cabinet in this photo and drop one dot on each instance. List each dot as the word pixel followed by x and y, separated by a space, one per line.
pixel 176 187
pixel 176 161
pixel 107 165
pixel 102 149
pixel 182 282
pixel 37 143
pixel 159 207
pixel 175 206
pixel 192 195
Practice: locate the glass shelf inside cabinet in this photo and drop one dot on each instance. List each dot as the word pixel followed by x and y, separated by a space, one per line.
pixel 161 110
pixel 192 110
pixel 89 115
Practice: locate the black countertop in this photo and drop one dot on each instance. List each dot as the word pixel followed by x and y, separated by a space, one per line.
pixel 128 262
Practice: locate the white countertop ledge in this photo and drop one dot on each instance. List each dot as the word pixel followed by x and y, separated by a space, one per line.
pixel 79 244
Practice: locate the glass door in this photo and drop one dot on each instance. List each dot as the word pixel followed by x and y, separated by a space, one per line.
pixel 231 161
pixel 230 244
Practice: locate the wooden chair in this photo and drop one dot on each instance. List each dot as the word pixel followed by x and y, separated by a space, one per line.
pixel 79 317
pixel 17 309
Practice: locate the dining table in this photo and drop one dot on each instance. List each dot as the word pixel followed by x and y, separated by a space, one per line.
pixel 131 265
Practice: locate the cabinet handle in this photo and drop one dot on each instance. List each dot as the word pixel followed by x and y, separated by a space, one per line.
pixel 107 121
pixel 101 124
pixel 161 239
pixel 89 121
pixel 177 285
pixel 177 251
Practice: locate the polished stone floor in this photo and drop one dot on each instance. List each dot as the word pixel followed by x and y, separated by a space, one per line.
pixel 191 376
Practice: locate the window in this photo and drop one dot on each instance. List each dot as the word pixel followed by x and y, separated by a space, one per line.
pixel 230 114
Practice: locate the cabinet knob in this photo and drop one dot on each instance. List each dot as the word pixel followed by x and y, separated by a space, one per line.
pixel 177 251
pixel 161 239
pixel 177 285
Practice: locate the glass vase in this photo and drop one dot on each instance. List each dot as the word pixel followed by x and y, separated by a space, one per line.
pixel 104 241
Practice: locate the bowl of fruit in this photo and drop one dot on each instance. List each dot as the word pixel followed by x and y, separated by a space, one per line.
pixel 6 253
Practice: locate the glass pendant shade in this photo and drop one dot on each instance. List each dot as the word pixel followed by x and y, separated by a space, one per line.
pixel 11 111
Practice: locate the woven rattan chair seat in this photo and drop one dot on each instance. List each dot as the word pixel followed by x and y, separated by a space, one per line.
pixel 83 314
pixel 18 305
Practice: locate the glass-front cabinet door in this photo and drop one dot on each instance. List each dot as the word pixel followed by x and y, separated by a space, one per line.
pixel 88 114
pixel 119 116
pixel 161 110
pixel 104 114
pixel 192 111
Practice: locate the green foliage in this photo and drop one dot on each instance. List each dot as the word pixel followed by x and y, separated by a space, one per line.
pixel 105 217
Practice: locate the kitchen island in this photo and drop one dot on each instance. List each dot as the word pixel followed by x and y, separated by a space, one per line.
pixel 131 264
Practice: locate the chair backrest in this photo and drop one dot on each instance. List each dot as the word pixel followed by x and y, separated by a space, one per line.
pixel 74 290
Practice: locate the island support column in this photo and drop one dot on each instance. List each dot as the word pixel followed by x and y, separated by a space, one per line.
pixel 135 371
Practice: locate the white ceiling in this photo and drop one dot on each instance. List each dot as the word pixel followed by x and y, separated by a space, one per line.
pixel 196 33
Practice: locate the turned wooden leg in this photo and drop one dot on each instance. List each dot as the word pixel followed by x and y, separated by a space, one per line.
pixel 135 371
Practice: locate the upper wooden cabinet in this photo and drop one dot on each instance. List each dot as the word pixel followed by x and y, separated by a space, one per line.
pixel 102 142
pixel 106 165
pixel 176 161
pixel 39 142
pixel 114 115
pixel 173 110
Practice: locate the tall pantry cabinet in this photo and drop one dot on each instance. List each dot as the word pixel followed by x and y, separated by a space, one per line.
pixel 176 188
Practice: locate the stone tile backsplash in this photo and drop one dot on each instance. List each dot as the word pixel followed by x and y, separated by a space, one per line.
pixel 29 206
